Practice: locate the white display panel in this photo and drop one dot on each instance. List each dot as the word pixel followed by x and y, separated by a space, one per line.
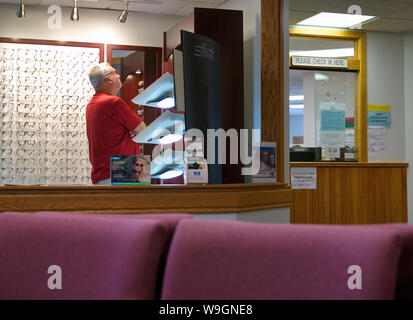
pixel 44 91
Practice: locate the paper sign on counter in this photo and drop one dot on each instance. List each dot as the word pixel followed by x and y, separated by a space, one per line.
pixel 303 178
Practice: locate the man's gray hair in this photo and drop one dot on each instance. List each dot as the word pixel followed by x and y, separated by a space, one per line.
pixel 97 74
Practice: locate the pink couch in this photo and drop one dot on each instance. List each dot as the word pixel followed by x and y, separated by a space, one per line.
pixel 132 257
pixel 101 257
pixel 235 260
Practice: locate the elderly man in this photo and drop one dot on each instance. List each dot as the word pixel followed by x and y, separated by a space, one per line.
pixel 110 123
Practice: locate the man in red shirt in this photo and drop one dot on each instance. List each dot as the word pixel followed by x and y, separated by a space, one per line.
pixel 110 123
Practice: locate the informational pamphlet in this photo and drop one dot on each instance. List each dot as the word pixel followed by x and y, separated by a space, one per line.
pixel 268 163
pixel 196 171
pixel 196 166
pixel 130 170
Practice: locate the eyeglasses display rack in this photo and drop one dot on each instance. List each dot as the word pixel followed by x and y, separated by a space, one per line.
pixel 44 91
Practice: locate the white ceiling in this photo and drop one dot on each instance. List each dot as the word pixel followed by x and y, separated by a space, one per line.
pixel 171 7
pixel 394 15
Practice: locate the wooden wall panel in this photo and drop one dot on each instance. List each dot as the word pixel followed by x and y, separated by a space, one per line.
pixel 361 193
pixel 272 78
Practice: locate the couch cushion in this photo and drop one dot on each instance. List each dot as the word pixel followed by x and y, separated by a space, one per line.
pixel 99 258
pixel 238 260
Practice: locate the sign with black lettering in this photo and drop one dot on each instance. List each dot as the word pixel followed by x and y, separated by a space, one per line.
pixel 319 62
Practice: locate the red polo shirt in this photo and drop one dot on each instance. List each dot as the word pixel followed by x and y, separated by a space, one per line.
pixel 108 121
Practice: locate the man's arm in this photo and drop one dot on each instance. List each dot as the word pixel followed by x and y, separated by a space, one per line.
pixel 138 129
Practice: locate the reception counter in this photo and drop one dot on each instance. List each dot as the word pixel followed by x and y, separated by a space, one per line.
pixel 231 198
pixel 353 193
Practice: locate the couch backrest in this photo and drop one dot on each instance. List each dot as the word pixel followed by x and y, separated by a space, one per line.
pixel 168 220
pixel 404 287
pixel 101 258
pixel 237 260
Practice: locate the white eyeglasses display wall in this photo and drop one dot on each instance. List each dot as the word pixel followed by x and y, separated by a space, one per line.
pixel 44 91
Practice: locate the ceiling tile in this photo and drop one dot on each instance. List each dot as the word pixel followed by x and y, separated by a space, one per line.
pixel 313 5
pixel 406 13
pixel 377 8
pixel 189 8
pixel 28 2
pixel 389 25
pixel 297 16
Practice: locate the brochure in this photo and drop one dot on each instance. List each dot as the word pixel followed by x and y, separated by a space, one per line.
pixel 130 170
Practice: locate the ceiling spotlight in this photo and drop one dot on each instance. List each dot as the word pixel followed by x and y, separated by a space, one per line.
pixel 124 15
pixel 20 13
pixel 75 12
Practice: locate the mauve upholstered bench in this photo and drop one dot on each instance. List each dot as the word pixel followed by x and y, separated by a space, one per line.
pixel 104 258
pixel 223 260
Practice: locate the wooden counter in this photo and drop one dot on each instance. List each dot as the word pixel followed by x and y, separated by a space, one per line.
pixel 146 199
pixel 353 193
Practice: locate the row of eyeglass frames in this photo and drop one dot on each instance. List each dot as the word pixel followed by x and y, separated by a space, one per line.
pixel 43 95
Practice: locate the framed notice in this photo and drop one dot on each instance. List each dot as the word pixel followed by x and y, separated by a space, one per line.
pixel 130 170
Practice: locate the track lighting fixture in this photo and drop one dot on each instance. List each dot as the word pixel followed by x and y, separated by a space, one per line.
pixel 75 12
pixel 124 15
pixel 20 13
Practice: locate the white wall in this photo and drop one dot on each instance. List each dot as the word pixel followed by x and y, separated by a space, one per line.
pixel 385 86
pixel 94 26
pixel 281 215
pixel 408 95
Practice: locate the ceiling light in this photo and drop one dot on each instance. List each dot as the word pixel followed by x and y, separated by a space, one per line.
pixel 20 13
pixel 325 53
pixel 296 98
pixel 320 77
pixel 124 15
pixel 296 106
pixel 335 20
pixel 75 12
